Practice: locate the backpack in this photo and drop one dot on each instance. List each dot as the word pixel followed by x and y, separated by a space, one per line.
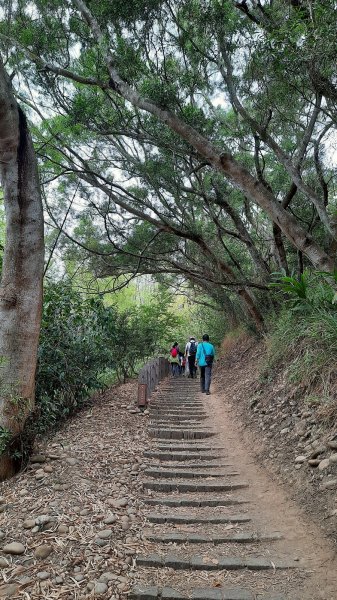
pixel 174 352
pixel 193 348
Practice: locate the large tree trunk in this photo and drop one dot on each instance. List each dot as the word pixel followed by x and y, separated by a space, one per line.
pixel 21 284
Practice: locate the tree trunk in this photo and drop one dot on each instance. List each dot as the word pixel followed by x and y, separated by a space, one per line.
pixel 21 284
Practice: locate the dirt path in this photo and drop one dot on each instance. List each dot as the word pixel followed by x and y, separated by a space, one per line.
pixel 221 529
pixel 109 493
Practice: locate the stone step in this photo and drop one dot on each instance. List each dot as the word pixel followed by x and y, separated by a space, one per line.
pixel 183 434
pixel 194 502
pixel 189 425
pixel 199 465
pixel 158 473
pixel 204 538
pixel 187 446
pixel 183 419
pixel 189 486
pixel 143 592
pixel 175 456
pixel 188 519
pixel 198 563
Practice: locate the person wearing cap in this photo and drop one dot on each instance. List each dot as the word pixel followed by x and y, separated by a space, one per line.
pixel 190 353
pixel 205 357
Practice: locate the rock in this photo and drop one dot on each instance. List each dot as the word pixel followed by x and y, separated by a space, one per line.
pixel 333 458
pixel 59 579
pixel 300 459
pixel 100 542
pixel 333 444
pixel 105 577
pixel 2 534
pixel 79 577
pixel 38 458
pixel 85 512
pixel 3 563
pixel 110 519
pixel 317 451
pixel 284 431
pixel 48 469
pixel 117 502
pixel 40 476
pixel 28 524
pixel 43 575
pixel 43 551
pixel 14 548
pixel 63 529
pixel 314 462
pixel 105 534
pixel 71 461
pixel 99 588
pixel 42 519
pixel 8 590
pixel 324 464
pixel 329 485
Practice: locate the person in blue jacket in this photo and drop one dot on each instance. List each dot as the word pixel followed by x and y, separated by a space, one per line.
pixel 204 359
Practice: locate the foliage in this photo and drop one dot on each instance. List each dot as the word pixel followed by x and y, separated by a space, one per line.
pixel 304 334
pixel 82 339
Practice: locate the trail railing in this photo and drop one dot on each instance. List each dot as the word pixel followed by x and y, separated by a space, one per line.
pixel 149 377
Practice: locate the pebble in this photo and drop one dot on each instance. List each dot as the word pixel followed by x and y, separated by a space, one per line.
pixel 105 577
pixel 71 461
pixel 3 562
pixel 100 588
pixel 110 519
pixel 333 444
pixel 28 524
pixel 324 464
pixel 48 469
pixel 43 551
pixel 100 542
pixel 79 577
pixel 14 548
pixel 300 459
pixel 333 458
pixel 105 534
pixel 319 450
pixel 8 590
pixel 314 462
pixel 43 575
pixel 285 430
pixel 42 519
pixel 63 529
pixel 2 534
pixel 59 579
pixel 329 485
pixel 119 503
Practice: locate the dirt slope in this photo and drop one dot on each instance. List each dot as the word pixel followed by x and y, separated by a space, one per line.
pixel 289 437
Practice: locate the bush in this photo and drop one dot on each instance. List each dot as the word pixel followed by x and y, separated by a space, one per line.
pixel 304 335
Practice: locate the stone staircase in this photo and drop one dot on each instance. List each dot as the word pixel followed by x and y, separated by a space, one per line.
pixel 200 540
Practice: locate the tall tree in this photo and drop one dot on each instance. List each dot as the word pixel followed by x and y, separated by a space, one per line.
pixel 21 283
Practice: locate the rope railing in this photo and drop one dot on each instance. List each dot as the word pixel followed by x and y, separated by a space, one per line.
pixel 149 377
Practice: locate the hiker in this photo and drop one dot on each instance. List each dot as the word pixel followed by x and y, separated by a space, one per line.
pixel 174 359
pixel 182 363
pixel 204 358
pixel 190 353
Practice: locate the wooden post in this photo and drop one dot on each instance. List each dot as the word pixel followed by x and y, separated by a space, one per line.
pixel 142 394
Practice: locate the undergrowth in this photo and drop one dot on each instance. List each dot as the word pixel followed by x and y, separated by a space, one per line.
pixel 302 341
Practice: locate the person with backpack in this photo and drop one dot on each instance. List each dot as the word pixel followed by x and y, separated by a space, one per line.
pixel 174 359
pixel 205 357
pixel 190 353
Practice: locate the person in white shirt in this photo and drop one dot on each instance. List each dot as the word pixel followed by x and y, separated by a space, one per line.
pixel 190 353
